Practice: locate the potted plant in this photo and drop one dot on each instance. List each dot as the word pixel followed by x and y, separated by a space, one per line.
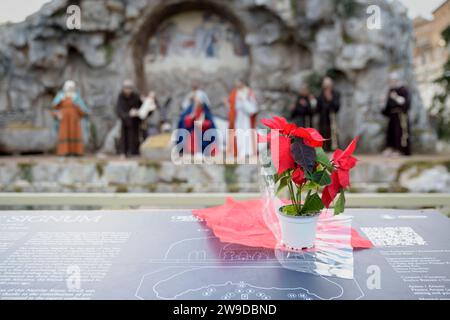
pixel 312 179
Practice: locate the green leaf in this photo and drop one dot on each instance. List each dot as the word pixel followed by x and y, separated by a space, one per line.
pixel 311 185
pixel 339 206
pixel 285 174
pixel 313 204
pixel 322 178
pixel 283 181
pixel 291 210
pixel 322 158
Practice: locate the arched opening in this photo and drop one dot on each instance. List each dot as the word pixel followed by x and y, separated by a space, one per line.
pixel 186 41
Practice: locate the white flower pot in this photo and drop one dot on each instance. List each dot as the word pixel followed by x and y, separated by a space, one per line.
pixel 298 232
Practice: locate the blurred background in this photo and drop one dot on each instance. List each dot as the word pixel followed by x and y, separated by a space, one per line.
pixel 277 46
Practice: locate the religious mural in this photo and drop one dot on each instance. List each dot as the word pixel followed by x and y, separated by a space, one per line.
pixel 196 45
pixel 204 36
pixel 194 36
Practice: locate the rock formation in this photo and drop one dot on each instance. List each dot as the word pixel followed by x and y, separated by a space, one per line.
pixel 277 45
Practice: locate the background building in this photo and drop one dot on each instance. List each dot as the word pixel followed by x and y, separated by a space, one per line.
pixel 431 51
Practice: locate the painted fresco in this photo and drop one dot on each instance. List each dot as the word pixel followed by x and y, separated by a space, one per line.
pixel 195 36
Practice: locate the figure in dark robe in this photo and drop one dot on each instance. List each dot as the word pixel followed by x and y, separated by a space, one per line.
pixel 128 105
pixel 197 118
pixel 397 107
pixel 302 111
pixel 328 105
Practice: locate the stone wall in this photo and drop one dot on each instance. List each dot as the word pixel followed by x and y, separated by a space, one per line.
pixel 96 175
pixel 288 42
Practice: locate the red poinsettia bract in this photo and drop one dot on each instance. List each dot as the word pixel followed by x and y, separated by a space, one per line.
pixel 310 136
pixel 280 139
pixel 280 148
pixel 298 176
pixel 343 162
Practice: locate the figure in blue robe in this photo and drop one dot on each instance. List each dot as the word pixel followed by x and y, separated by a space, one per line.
pixel 197 111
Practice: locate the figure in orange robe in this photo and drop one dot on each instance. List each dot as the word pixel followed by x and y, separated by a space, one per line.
pixel 69 114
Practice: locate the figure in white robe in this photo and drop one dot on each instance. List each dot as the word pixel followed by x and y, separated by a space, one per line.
pixel 242 121
pixel 148 106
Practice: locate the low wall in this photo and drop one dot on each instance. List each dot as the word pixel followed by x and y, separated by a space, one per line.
pixel 52 174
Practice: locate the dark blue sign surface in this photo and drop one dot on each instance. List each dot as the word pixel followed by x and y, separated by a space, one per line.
pixel 171 255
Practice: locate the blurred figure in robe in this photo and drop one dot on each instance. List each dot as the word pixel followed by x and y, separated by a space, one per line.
pixel 128 105
pixel 197 118
pixel 328 105
pixel 243 110
pixel 149 105
pixel 302 110
pixel 397 107
pixel 71 122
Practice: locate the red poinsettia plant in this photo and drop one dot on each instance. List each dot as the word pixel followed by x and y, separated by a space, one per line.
pixel 303 166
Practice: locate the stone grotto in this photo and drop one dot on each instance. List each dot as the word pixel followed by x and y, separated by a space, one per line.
pixel 163 44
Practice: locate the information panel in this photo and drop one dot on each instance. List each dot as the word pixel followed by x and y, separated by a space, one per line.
pixel 171 255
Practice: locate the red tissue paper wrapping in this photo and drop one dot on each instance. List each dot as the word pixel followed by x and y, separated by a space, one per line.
pixel 242 222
